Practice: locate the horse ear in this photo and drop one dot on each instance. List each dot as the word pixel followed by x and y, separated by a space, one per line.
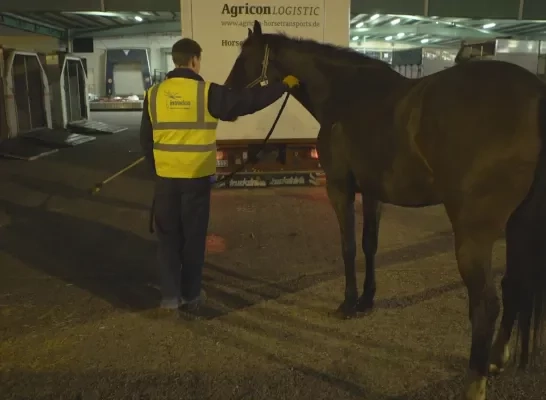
pixel 249 32
pixel 257 28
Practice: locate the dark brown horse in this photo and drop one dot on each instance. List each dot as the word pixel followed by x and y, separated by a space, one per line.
pixel 422 142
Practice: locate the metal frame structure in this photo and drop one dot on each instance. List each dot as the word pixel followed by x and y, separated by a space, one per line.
pixel 9 92
pixel 385 25
pixel 416 31
pixel 63 92
pixel 65 25
pixel 508 9
pixel 4 127
pixel 32 25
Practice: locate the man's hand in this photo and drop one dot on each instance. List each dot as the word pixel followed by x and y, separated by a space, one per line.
pixel 291 81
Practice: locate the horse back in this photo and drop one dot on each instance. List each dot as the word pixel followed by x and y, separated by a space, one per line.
pixel 478 125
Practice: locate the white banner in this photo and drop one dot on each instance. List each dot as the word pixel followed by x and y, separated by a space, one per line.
pixel 220 27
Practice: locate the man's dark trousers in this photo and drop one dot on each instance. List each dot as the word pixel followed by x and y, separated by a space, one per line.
pixel 181 219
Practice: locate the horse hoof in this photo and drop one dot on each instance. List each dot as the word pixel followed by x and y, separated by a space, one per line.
pixel 475 389
pixel 346 311
pixel 499 359
pixel 364 305
pixel 495 369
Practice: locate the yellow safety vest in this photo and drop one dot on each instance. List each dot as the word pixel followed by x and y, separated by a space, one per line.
pixel 184 132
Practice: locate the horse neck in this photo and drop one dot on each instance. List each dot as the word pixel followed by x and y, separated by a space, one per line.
pixel 310 81
pixel 322 80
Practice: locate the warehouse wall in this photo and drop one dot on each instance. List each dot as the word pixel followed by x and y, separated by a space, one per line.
pixel 159 46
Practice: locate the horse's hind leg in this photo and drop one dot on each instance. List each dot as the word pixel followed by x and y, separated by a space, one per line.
pixel 519 257
pixel 474 245
pixel 341 193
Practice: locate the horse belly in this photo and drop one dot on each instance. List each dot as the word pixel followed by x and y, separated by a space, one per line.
pixel 410 183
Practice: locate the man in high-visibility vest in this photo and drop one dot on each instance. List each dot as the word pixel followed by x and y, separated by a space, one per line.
pixel 178 138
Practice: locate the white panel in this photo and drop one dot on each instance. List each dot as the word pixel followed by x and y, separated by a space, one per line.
pixel 520 52
pixel 541 66
pixel 436 60
pixel 128 79
pixel 168 62
pixel 517 46
pixel 221 27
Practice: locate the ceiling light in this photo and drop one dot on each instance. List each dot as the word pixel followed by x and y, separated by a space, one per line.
pixel 374 17
pixel 425 40
pixel 489 26
pixel 400 35
pixel 360 25
pixel 97 13
pixel 395 21
pixel 138 18
pixel 355 38
pixel 388 38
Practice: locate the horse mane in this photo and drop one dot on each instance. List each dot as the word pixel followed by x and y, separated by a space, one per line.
pixel 327 52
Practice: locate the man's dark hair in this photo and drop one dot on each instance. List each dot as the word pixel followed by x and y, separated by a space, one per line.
pixel 184 50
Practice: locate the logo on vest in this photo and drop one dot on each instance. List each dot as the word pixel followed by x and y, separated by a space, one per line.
pixel 176 101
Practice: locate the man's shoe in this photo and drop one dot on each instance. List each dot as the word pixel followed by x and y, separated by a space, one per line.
pixel 199 299
pixel 170 304
pixel 197 310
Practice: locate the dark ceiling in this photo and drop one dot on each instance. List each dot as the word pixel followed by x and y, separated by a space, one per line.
pixel 410 30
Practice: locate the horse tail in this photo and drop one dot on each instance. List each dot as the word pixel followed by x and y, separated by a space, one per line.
pixel 532 308
pixel 539 306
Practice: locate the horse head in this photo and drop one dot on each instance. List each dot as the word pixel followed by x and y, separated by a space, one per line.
pixel 256 63
pixel 268 58
pixel 323 69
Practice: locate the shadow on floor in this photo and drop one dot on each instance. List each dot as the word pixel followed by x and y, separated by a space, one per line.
pixel 120 267
pixel 70 192
pixel 109 263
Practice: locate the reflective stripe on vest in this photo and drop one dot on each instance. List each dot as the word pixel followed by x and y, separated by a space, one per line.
pixel 185 147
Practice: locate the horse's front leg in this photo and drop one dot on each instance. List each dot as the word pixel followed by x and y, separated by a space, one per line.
pixel 371 210
pixel 342 197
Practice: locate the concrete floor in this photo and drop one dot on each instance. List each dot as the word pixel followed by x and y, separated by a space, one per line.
pixel 78 296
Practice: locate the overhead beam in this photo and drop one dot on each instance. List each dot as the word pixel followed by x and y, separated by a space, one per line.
pixel 379 45
pixel 28 25
pixel 424 29
pixel 174 27
pixel 89 5
pixel 506 9
pixel 406 7
pixel 140 5
pixel 145 28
